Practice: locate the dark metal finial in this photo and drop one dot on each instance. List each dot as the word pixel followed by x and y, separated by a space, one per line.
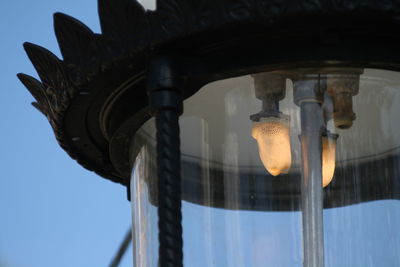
pixel 74 39
pixel 49 68
pixel 37 91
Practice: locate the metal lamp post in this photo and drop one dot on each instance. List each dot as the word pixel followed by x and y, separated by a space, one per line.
pixel 281 104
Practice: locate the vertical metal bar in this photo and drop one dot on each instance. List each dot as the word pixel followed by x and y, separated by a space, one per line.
pixel 169 189
pixel 311 193
pixel 164 84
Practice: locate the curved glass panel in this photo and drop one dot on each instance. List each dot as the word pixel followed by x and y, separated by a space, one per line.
pixel 277 174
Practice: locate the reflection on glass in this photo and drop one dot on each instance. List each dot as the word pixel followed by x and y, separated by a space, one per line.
pixel 235 214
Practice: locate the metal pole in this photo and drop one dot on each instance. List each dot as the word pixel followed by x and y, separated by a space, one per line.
pixel 122 249
pixel 311 193
pixel 164 86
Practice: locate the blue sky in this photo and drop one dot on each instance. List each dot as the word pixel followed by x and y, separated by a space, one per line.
pixel 52 211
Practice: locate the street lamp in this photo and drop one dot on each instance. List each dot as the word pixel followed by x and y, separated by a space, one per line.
pixel 287 126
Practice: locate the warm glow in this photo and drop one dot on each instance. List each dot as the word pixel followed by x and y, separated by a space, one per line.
pixel 273 139
pixel 328 159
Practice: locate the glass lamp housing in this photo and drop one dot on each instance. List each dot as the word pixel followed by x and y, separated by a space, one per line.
pixel 237 212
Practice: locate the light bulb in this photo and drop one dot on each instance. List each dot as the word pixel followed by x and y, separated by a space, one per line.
pixel 328 158
pixel 273 139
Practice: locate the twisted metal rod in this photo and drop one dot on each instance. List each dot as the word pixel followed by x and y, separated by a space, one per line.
pixel 169 189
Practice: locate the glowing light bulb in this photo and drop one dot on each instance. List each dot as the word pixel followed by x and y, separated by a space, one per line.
pixel 273 139
pixel 328 158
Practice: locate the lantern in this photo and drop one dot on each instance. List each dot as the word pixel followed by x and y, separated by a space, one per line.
pixel 247 133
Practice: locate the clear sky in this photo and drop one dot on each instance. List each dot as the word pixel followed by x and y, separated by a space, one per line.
pixel 52 211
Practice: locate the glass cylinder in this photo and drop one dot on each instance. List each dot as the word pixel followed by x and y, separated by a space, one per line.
pixel 333 200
